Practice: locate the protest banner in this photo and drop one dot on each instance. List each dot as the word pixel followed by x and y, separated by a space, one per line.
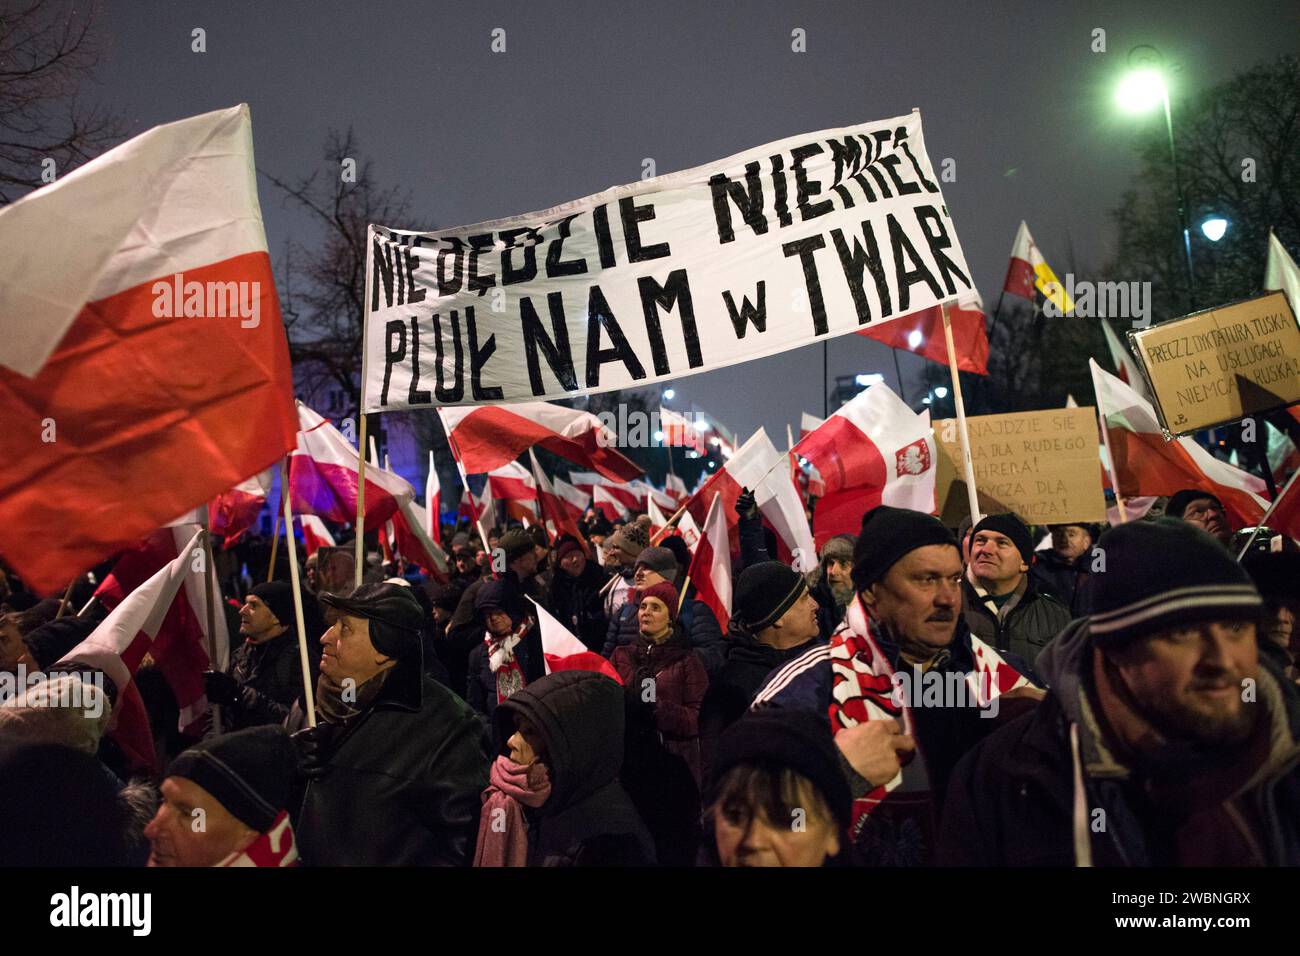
pixel 1220 365
pixel 768 250
pixel 1041 465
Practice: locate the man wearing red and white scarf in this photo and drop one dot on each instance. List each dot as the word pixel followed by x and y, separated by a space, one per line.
pixel 224 803
pixel 905 678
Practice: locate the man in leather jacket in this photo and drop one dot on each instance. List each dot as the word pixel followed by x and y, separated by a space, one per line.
pixel 393 772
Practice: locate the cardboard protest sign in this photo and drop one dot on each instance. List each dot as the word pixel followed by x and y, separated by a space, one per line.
pixel 1041 465
pixel 770 249
pixel 1220 365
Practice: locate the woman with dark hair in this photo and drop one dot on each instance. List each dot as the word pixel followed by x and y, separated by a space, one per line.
pixel 777 796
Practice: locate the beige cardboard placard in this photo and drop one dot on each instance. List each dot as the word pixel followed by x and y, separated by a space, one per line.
pixel 1217 366
pixel 1043 466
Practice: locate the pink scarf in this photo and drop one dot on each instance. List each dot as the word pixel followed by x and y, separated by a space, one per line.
pixel 502 829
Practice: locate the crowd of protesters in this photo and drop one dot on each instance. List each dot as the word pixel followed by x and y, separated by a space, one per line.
pixel 1159 697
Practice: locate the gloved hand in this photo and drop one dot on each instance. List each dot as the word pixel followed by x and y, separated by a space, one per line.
pixel 746 506
pixel 312 744
pixel 220 688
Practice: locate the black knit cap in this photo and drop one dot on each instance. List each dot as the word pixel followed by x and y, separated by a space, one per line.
pixel 1165 573
pixel 278 596
pixel 1010 525
pixel 764 592
pixel 887 535
pixel 51 642
pixel 1179 501
pixel 395 616
pixel 249 771
pixel 779 739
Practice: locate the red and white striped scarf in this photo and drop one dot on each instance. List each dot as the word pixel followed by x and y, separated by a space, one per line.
pixel 274 848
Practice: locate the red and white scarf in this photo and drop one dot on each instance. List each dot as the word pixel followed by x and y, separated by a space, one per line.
pixel 502 661
pixel 274 848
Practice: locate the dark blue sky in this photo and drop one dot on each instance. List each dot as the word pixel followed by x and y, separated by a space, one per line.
pixel 587 90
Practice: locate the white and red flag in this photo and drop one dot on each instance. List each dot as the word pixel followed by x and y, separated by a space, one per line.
pixel 561 651
pixel 233 512
pixel 585 481
pixel 134 367
pixel 409 537
pixel 121 641
pixel 808 424
pixel 657 520
pixel 484 437
pixel 433 502
pixel 612 508
pixel 315 534
pixel 323 477
pixel 710 569
pixel 1030 277
pixel 631 494
pixel 1281 272
pixel 576 502
pixel 992 675
pixel 513 484
pixel 1124 362
pixel 675 488
pixel 872 451
pixel 922 333
pixel 557 514
pixel 1146 464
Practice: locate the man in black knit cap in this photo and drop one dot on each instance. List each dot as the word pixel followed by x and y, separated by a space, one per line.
pixel 1001 600
pixel 1167 737
pixel 224 803
pixel 1202 509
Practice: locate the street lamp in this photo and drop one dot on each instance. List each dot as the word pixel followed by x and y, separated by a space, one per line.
pixel 1214 228
pixel 1142 89
pixel 669 394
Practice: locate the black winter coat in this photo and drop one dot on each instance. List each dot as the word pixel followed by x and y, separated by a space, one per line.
pixel 481 683
pixel 1067 581
pixel 269 676
pixel 402 781
pixel 588 820
pixel 1011 799
pixel 578 604
pixel 1030 620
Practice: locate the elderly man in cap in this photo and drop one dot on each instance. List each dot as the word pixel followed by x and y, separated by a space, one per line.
pixel 514 562
pixel 907 573
pixel 265 675
pixel 1064 569
pixel 1167 739
pixel 657 566
pixel 1202 509
pixel 392 773
pixel 224 803
pixel 1002 604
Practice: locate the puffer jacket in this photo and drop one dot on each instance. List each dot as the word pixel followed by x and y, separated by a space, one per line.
pixel 401 781
pixel 1012 799
pixel 1067 581
pixel 1029 620
pixel 588 820
pixel 696 621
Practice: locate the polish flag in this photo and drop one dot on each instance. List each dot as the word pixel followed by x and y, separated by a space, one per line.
pixel 661 498
pixel 675 488
pixel 131 372
pixel 631 495
pixel 232 513
pixel 557 515
pixel 874 450
pixel 561 651
pixel 710 569
pixel 180 649
pixel 808 424
pixel 657 520
pixel 1283 456
pixel 689 530
pixel 576 502
pixel 1284 515
pixel 1030 277
pixel 992 676
pixel 758 466
pixel 1281 271
pixel 609 506
pixel 1124 362
pixel 314 534
pixel 1146 464
pixel 921 333
pixel 433 502
pixel 323 477
pixel 585 481
pixel 120 642
pixel 409 537
pixel 513 484
pixel 484 437
pixel 680 431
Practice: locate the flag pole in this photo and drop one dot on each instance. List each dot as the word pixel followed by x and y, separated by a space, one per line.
pixel 308 692
pixel 968 468
pixel 1110 461
pixel 63 604
pixel 1263 521
pixel 209 599
pixel 360 524
pixel 275 538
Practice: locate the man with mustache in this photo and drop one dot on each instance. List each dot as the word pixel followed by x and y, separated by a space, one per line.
pixel 1169 736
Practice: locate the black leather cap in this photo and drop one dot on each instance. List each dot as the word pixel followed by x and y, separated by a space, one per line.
pixel 392 605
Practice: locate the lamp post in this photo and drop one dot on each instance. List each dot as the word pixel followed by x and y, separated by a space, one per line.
pixel 1140 90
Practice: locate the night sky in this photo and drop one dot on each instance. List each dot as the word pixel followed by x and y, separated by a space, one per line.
pixel 587 90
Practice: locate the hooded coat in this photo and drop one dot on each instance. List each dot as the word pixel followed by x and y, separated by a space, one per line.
pixel 1012 800
pixel 588 820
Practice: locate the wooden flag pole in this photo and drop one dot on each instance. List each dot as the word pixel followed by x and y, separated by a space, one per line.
pixel 308 692
pixel 968 468
pixel 1110 463
pixel 360 525
pixel 210 600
